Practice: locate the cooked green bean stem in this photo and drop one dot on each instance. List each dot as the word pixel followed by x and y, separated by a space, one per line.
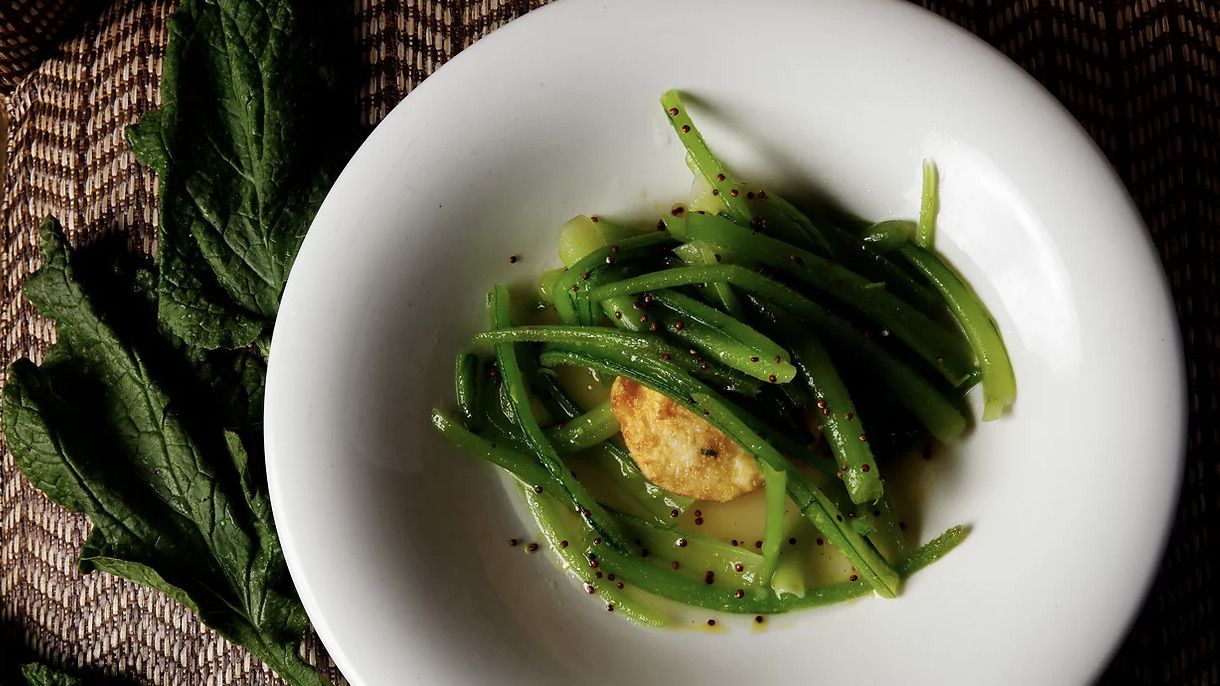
pixel 863 258
pixel 661 582
pixel 813 503
pixel 623 313
pixel 715 173
pixel 875 521
pixel 696 554
pixel 776 485
pixel 645 346
pixel 789 578
pixel 580 275
pixel 715 345
pixel 769 362
pixel 938 414
pixel 546 284
pixel 585 431
pixel 934 550
pixel 698 253
pixel 466 382
pixel 889 538
pixel 999 381
pixel 579 237
pixel 814 235
pixel 691 393
pixel 840 420
pixel 526 470
pixel 929 205
pixel 783 441
pixel 514 383
pixel 568 544
pixel 660 506
pixel 938 346
pixel 888 236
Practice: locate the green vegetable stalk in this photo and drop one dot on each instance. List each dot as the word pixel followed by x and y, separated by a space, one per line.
pixel 776 485
pixel 514 383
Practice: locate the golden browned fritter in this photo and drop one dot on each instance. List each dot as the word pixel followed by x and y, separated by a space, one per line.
pixel 679 451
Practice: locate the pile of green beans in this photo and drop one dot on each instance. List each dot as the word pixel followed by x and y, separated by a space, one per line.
pixel 756 318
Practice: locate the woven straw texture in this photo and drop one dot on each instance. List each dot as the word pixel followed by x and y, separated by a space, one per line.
pixel 1140 75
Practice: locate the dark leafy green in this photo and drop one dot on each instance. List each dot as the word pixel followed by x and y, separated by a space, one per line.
pixel 146 415
pixel 252 129
pixel 41 675
pixel 159 443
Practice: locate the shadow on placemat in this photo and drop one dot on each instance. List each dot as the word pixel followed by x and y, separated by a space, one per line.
pixel 30 27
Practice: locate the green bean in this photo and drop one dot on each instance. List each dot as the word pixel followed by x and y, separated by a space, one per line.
pixel 466 382
pixel 700 253
pixel 514 383
pixel 661 582
pixel 888 538
pixel 584 431
pixel 776 485
pixel 841 422
pixel 861 257
pixel 937 413
pixel 934 550
pixel 526 470
pixel 567 543
pixel 696 554
pixel 664 583
pixel 875 521
pixel 938 346
pixel 578 237
pixel 929 205
pixel 999 381
pixel 701 158
pixel 814 236
pixel 580 274
pixel 783 441
pixel 554 397
pixel 691 393
pixel 770 361
pixel 689 276
pixel 715 345
pixel 888 236
pixel 813 503
pixel 621 311
pixel 644 346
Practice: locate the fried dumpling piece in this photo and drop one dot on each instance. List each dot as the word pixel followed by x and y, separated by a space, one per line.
pixel 679 451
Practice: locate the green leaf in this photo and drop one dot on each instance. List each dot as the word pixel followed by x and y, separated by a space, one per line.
pixel 40 675
pixel 159 443
pixel 253 127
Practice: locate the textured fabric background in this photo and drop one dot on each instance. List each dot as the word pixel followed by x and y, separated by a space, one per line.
pixel 1140 75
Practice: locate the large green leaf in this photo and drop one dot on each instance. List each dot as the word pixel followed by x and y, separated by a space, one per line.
pixel 153 439
pixel 40 675
pixel 254 125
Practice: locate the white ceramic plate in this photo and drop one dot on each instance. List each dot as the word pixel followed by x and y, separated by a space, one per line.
pixel 396 542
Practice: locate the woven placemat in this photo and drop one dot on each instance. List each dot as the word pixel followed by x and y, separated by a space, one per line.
pixel 1141 77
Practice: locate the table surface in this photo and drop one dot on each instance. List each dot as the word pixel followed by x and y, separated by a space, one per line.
pixel 1141 76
